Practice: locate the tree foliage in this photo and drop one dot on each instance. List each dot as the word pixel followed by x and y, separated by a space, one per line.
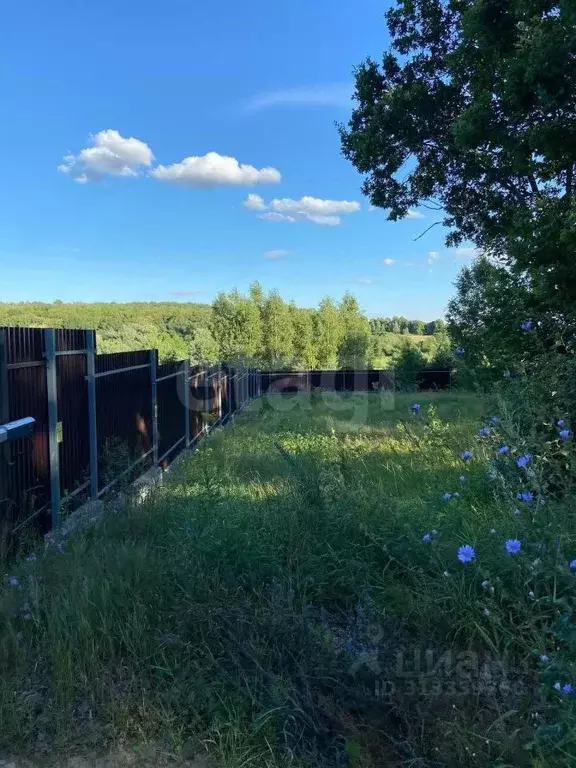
pixel 472 112
pixel 257 329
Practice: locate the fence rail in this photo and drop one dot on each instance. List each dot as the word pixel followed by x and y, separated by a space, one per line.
pixel 99 418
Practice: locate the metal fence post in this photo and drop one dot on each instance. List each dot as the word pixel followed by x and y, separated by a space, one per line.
pixel 153 366
pixel 187 401
pixel 52 391
pixel 92 418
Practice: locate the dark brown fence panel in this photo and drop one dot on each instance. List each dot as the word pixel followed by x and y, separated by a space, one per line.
pixel 73 416
pixel 25 465
pixel 171 409
pixel 339 381
pixel 123 413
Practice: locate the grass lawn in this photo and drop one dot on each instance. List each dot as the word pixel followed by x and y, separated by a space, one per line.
pixel 278 603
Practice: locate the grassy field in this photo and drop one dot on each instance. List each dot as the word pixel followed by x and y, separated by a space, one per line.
pixel 293 596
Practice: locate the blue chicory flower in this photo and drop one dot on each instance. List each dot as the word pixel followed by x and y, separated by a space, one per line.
pixel 426 538
pixel 503 450
pixel 523 461
pixel 560 423
pixel 466 553
pixel 544 659
pixel 415 408
pixel 527 325
pixel 463 479
pixel 434 532
pixel 568 688
pixel 13 581
pixel 485 432
pixel 465 455
pixel 525 496
pixel 460 351
pixel 31 558
pixel 572 565
pixel 493 419
pixel 446 496
pixel 565 434
pixel 486 612
pixel 492 531
pixel 513 546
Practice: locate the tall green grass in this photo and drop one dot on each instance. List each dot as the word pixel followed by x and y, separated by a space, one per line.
pixel 275 603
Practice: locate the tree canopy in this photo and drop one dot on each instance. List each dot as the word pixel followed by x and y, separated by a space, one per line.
pixel 472 113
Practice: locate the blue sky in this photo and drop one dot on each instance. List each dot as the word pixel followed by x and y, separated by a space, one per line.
pixel 108 189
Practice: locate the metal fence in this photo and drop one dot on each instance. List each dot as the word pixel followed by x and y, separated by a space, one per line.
pixel 350 380
pixel 99 418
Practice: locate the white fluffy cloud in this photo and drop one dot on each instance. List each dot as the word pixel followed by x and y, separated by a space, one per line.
pixel 254 203
pixel 278 254
pixel 433 256
pixel 388 262
pixel 214 170
pixel 414 214
pixel 111 155
pixel 324 212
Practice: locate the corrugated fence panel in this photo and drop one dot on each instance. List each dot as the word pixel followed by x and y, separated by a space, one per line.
pixel 171 411
pixel 339 381
pixel 117 360
pixel 123 413
pixel 25 462
pixel 73 416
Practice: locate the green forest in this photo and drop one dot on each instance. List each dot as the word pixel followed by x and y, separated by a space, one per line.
pixel 260 329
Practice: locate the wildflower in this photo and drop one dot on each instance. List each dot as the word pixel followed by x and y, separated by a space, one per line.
pixel 517 512
pixel 544 659
pixel 531 595
pixel 465 455
pixel 486 612
pixel 434 532
pixel 507 374
pixel 460 351
pixel 523 461
pixel 503 450
pixel 513 546
pixel 446 574
pixel 573 565
pixel 31 558
pixel 568 688
pixel 446 496
pixel 492 531
pixel 13 581
pixel 525 496
pixel 565 434
pixel 557 686
pixel 561 423
pixel 466 553
pixel 493 419
pixel 485 584
pixel 463 479
pixel 527 325
pixel 485 432
pixel 415 408
pixel 426 538
pixel 491 474
pixel 456 495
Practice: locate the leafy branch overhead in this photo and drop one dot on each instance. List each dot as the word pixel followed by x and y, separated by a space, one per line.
pixel 473 109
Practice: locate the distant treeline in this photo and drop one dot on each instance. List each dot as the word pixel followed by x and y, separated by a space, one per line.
pixel 259 329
